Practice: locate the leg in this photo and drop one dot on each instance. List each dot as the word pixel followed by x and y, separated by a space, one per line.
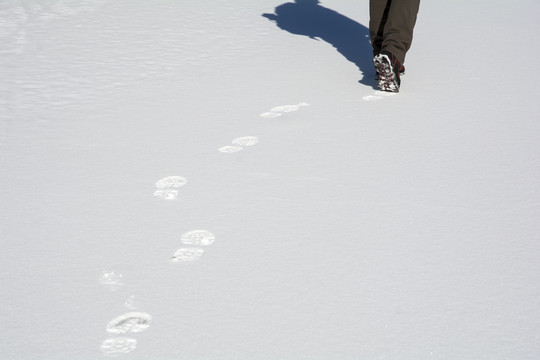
pixel 378 15
pixel 398 29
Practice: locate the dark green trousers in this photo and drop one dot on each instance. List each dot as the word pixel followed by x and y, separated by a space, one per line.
pixel 391 24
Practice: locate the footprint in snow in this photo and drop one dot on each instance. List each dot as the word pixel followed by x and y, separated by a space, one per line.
pixel 118 345
pixel 378 95
pixel 195 239
pixel 187 254
pixel 238 144
pixel 280 110
pixel 230 149
pixel 167 188
pixel 198 238
pixel 131 322
pixel 270 115
pixel 246 141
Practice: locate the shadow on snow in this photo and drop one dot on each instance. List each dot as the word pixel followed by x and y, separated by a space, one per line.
pixel 351 39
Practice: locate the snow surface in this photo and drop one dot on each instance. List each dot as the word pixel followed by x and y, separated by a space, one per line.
pixel 194 180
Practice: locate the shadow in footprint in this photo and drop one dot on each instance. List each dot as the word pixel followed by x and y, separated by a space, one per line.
pixel 351 39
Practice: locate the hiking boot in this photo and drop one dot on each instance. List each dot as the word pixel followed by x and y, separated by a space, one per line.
pixel 401 73
pixel 388 67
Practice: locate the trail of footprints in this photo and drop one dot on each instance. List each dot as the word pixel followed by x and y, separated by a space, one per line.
pixel 134 322
pixel 121 328
pixel 193 246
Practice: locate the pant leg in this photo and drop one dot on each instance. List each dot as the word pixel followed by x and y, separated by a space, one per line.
pixel 399 26
pixel 378 15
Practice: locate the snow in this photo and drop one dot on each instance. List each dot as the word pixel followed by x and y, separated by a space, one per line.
pixel 194 180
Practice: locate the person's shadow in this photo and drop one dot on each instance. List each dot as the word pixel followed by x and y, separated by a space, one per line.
pixel 351 39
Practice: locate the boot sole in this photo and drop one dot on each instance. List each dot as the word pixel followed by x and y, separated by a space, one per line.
pixel 387 80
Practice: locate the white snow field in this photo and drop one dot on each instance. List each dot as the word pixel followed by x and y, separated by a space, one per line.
pixel 220 180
